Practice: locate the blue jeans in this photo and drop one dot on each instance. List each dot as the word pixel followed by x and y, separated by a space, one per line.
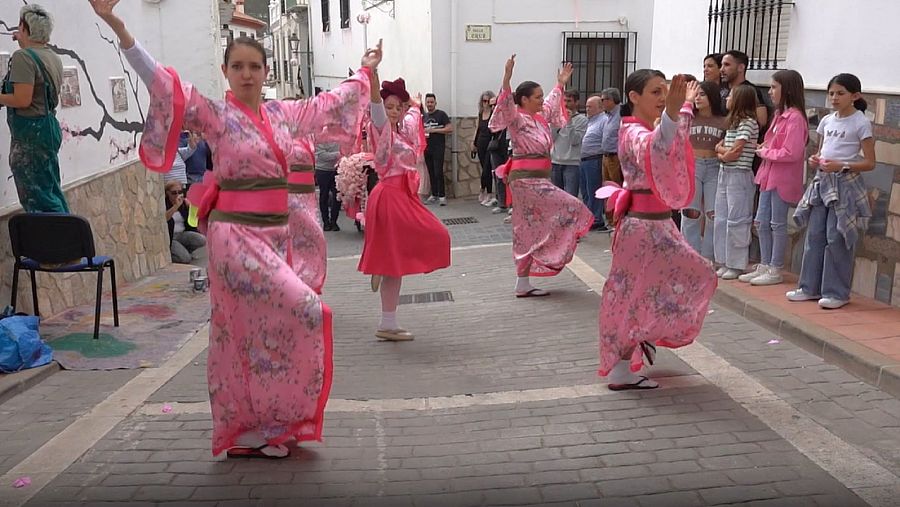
pixel 734 215
pixel 589 183
pixel 771 223
pixel 566 178
pixel 827 262
pixel 706 180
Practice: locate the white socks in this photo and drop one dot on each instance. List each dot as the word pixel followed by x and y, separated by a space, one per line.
pixel 388 321
pixel 523 284
pixel 621 374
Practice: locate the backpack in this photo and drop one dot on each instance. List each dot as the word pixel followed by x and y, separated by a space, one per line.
pixel 21 346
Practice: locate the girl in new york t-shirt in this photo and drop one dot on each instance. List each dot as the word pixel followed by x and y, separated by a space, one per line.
pixel 835 206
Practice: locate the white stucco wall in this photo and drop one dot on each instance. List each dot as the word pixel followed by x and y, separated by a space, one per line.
pixel 530 28
pixel 407 43
pixel 675 49
pixel 183 34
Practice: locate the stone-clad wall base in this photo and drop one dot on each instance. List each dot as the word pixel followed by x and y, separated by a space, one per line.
pixel 125 209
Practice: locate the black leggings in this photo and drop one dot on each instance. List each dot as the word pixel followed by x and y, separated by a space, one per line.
pixel 487 175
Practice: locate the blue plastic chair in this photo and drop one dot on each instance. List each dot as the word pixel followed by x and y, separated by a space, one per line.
pixel 58 243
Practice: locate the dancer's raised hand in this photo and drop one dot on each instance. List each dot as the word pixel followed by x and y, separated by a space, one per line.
pixel 372 57
pixel 508 71
pixel 676 96
pixel 565 73
pixel 104 9
pixel 693 89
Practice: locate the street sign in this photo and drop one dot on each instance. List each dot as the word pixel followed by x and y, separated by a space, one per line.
pixel 478 33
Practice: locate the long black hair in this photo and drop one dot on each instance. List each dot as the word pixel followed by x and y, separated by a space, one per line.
pixel 636 82
pixel 711 90
pixel 852 84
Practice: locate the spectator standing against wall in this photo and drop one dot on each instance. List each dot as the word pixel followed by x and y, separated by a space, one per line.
pixel 591 158
pixel 30 93
pixel 611 100
pixel 566 152
pixel 437 126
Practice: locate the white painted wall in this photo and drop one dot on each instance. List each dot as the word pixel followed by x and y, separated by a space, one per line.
pixel 166 29
pixel 832 36
pixel 530 28
pixel 679 36
pixel 407 43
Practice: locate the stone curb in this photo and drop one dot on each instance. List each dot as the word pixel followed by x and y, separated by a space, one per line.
pixel 871 366
pixel 15 383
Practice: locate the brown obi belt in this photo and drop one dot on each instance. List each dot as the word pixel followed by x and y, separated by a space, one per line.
pixel 253 201
pixel 301 179
pixel 646 206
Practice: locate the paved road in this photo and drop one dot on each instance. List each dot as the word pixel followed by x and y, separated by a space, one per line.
pixel 496 402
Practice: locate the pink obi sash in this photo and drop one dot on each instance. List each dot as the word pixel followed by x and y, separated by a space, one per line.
pixel 523 166
pixel 261 201
pixel 639 203
pixel 301 179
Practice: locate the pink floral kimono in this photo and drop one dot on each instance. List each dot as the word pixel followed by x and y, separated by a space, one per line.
pixel 402 236
pixel 547 221
pixel 270 364
pixel 309 250
pixel 659 288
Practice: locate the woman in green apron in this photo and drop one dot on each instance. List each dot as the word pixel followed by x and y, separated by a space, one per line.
pixel 30 93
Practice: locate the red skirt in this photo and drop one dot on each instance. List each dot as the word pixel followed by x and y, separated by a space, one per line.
pixel 402 237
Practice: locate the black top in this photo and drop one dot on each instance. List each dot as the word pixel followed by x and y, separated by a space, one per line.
pixel 483 135
pixel 437 119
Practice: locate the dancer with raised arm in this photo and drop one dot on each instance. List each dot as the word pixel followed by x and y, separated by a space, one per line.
pixel 547 221
pixel 269 366
pixel 395 216
pixel 658 288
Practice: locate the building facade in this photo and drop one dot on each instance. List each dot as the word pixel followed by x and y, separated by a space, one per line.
pixel 102 117
pixel 291 65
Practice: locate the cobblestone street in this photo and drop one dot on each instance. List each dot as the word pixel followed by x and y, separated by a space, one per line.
pixel 496 402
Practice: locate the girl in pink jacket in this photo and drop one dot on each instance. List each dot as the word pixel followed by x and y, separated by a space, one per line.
pixel 780 177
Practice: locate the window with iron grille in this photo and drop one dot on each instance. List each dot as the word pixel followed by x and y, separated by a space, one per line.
pixel 345 13
pixel 599 60
pixel 759 28
pixel 326 16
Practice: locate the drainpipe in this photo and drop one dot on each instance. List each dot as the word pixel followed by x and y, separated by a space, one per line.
pixel 454 57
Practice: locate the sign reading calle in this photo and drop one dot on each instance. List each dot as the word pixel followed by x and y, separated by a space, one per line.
pixel 479 33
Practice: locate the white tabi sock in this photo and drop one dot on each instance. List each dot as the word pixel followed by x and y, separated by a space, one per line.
pixel 523 284
pixel 388 321
pixel 621 373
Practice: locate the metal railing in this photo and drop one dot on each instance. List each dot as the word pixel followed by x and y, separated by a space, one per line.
pixel 756 27
pixel 600 60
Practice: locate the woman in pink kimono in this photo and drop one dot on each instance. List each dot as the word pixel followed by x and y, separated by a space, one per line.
pixel 402 236
pixel 308 246
pixel 658 288
pixel 547 222
pixel 269 366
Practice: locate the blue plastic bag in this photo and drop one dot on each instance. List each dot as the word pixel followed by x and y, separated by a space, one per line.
pixel 21 346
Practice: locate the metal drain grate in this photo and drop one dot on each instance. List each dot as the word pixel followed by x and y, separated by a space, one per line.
pixel 426 297
pixel 460 221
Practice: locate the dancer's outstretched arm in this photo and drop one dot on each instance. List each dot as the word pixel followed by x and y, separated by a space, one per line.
pixel 505 112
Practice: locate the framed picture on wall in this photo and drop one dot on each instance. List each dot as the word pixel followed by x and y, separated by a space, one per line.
pixel 70 90
pixel 4 64
pixel 119 94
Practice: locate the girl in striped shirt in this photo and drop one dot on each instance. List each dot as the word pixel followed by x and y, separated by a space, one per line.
pixel 735 191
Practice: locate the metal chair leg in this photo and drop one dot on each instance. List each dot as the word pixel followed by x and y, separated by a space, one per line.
pixel 97 309
pixel 15 287
pixel 115 297
pixel 34 299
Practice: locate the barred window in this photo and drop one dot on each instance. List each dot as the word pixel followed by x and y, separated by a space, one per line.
pixel 600 60
pixel 759 28
pixel 326 16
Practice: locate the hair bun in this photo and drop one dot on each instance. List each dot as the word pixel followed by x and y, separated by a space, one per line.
pixel 396 88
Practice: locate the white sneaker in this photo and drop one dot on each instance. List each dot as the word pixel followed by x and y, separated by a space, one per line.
pixel 832 303
pixel 759 271
pixel 772 276
pixel 498 210
pixel 431 200
pixel 490 203
pixel 731 274
pixel 721 271
pixel 799 295
pixel 443 201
